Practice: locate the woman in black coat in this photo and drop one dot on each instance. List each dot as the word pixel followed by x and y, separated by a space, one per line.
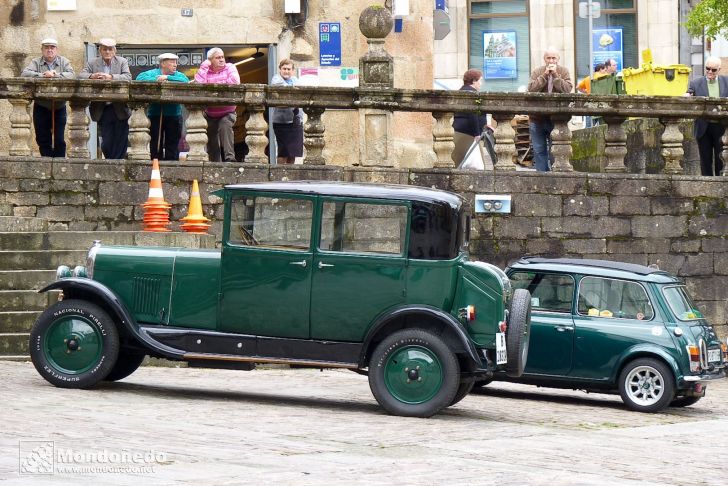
pixel 467 126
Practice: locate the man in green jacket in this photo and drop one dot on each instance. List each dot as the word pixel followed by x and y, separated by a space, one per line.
pixel 166 120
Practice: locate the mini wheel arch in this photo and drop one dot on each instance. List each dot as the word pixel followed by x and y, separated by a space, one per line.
pixel 648 351
pixel 429 319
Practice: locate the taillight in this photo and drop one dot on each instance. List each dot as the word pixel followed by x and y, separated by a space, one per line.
pixel 502 326
pixel 694 354
pixel 467 313
pixel 724 348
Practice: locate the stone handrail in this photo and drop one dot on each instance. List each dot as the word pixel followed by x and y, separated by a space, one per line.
pixel 614 109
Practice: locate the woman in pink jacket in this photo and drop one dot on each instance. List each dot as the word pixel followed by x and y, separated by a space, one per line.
pixel 220 119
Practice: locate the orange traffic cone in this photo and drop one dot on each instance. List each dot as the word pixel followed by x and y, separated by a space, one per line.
pixel 195 221
pixel 156 209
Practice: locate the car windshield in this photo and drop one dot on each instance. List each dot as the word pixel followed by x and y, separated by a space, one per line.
pixel 681 304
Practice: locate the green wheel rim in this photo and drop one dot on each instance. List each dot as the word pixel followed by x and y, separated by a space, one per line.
pixel 413 374
pixel 73 344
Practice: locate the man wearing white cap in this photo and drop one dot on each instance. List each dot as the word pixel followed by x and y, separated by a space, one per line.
pixel 49 117
pixel 113 118
pixel 165 120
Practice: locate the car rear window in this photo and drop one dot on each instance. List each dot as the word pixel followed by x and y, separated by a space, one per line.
pixel 549 291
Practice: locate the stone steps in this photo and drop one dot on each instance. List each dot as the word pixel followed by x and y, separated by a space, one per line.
pixel 26 279
pixel 40 259
pixel 24 300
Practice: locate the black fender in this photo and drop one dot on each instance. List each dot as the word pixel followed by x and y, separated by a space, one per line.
pixel 72 285
pixel 443 317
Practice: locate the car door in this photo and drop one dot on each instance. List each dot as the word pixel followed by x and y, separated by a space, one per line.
pixel 612 316
pixel 359 267
pixel 266 265
pixel 552 328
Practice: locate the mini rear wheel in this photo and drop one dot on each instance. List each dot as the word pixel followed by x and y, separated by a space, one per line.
pixel 646 385
pixel 74 344
pixel 414 373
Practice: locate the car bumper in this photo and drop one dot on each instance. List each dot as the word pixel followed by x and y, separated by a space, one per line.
pixel 704 378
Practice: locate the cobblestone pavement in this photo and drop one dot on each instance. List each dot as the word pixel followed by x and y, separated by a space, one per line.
pixel 276 426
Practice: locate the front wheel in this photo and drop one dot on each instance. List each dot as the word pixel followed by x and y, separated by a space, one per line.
pixel 74 344
pixel 518 333
pixel 414 373
pixel 646 385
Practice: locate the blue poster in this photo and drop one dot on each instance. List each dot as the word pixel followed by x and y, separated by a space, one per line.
pixel 607 44
pixel 499 55
pixel 330 43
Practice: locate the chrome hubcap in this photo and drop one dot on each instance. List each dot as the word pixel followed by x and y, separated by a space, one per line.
pixel 645 385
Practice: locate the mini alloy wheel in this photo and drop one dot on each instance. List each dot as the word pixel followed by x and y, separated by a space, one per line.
pixel 646 385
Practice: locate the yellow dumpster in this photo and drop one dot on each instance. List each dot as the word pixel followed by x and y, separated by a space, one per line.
pixel 655 80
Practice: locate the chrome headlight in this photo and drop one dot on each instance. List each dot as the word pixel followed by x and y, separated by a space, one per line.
pixel 91 258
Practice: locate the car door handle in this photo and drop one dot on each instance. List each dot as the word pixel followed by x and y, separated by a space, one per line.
pixel 563 328
pixel 322 265
pixel 302 263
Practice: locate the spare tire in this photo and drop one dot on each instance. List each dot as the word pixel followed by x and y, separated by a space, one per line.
pixel 518 333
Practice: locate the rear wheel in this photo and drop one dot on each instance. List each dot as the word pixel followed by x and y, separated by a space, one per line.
pixel 684 401
pixel 414 373
pixel 518 333
pixel 646 385
pixel 126 364
pixel 74 344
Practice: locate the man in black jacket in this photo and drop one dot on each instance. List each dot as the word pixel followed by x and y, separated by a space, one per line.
pixel 708 134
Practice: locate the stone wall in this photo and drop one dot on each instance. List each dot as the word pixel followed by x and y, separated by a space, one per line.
pixel 677 222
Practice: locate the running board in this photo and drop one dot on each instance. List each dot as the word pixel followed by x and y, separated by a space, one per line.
pixel 266 360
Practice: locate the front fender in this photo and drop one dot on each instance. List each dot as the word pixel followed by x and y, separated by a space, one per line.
pixel 647 350
pixel 84 287
pixel 456 327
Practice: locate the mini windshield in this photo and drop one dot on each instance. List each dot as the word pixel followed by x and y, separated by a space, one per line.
pixel 681 304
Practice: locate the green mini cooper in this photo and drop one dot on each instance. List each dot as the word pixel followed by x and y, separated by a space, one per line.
pixel 371 278
pixel 617 328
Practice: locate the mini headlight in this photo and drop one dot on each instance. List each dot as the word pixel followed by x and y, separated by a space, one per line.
pixel 91 258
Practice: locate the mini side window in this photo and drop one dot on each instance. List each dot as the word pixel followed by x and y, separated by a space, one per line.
pixel 606 297
pixel 271 222
pixel 549 292
pixel 363 227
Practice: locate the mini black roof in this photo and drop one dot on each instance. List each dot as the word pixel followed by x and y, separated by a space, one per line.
pixel 605 264
pixel 348 189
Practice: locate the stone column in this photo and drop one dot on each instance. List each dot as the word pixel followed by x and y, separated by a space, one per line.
pixel 724 152
pixel 196 134
pixel 78 135
pixel 671 141
pixel 442 139
pixel 313 132
pixel 505 142
pixel 255 137
pixel 561 144
pixel 19 128
pixel 616 144
pixel 139 137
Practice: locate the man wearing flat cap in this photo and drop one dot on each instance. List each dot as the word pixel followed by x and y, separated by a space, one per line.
pixel 49 116
pixel 113 118
pixel 165 120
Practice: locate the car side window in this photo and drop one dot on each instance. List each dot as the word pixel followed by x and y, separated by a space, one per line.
pixel 621 299
pixel 549 292
pixel 271 222
pixel 363 227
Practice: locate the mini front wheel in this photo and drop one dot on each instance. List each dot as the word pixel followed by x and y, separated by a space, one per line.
pixel 74 344
pixel 414 373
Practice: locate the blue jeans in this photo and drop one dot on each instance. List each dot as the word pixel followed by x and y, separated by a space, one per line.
pixel 540 132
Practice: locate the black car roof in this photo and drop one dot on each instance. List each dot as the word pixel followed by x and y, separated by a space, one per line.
pixel 599 267
pixel 348 189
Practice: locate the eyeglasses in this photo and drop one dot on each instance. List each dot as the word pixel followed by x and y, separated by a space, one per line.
pixel 712 70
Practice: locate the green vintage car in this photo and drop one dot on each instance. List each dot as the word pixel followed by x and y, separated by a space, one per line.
pixel 616 327
pixel 371 278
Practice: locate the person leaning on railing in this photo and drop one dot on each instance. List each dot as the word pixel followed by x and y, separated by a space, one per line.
pixel 49 116
pixel 467 126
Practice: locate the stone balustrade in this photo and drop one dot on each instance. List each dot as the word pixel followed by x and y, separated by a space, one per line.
pixel 613 109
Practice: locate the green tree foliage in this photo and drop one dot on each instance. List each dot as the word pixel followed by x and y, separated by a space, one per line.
pixel 709 17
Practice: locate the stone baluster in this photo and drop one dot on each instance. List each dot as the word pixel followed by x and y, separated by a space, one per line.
pixel 615 144
pixel 255 137
pixel 139 137
pixel 442 139
pixel 78 134
pixel 672 150
pixel 561 144
pixel 19 128
pixel 505 142
pixel 313 132
pixel 196 134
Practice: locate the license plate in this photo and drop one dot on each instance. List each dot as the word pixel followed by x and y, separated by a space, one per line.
pixel 501 356
pixel 714 355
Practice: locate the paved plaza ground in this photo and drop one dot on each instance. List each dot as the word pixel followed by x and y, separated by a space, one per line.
pixel 279 426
